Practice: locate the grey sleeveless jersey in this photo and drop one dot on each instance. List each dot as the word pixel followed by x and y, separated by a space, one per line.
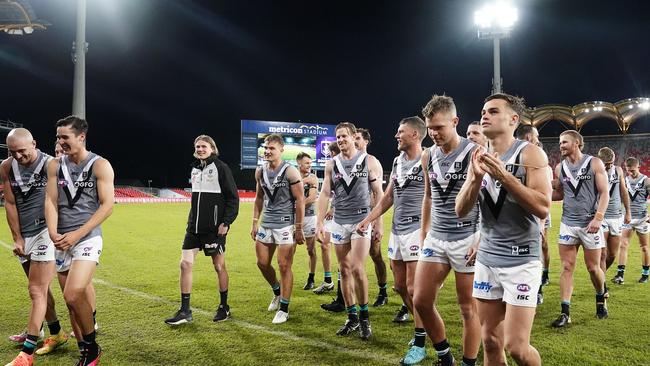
pixel 614 207
pixel 509 234
pixel 447 174
pixel 310 209
pixel 28 186
pixel 638 196
pixel 278 200
pixel 78 199
pixel 580 193
pixel 408 190
pixel 350 179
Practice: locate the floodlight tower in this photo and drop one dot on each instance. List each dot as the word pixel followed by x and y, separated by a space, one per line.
pixel 79 49
pixel 495 21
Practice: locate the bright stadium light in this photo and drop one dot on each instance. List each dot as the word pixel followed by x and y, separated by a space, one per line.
pixel 645 105
pixel 495 21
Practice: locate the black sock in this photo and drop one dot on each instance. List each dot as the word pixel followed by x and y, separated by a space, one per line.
pixel 541 290
pixel 442 349
pixel 224 297
pixel 382 289
pixel 81 345
pixel 620 270
pixel 311 277
pixel 30 344
pixel 565 308
pixel 327 277
pixel 420 337
pixel 90 337
pixel 469 361
pixel 600 298
pixel 404 308
pixel 363 312
pixel 352 313
pixel 276 289
pixel 284 305
pixel 95 316
pixel 185 302
pixel 339 294
pixel 54 327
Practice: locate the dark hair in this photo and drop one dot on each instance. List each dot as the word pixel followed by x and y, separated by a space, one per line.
pixel 365 134
pixel 517 104
pixel 77 124
pixel 523 130
pixel 475 123
pixel 302 155
pixel 439 103
pixel 417 124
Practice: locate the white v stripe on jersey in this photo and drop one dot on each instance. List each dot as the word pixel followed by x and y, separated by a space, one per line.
pixel 491 185
pixel 441 178
pixel 66 174
pixel 266 176
pixel 19 179
pixel 348 177
pixel 573 181
pixel 632 188
pixel 401 177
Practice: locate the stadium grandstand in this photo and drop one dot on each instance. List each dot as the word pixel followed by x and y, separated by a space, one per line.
pixel 622 126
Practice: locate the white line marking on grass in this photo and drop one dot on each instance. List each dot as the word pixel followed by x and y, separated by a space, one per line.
pixel 244 324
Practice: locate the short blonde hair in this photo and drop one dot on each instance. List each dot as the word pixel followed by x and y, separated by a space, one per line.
pixel 210 142
pixel 576 136
pixel 606 155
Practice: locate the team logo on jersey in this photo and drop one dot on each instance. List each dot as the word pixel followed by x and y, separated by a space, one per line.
pixel 493 194
pixel 84 175
pixel 271 189
pixel 458 165
pixel 520 250
pixel 510 168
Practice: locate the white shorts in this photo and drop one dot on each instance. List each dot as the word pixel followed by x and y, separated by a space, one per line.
pixel 87 250
pixel 38 248
pixel 640 225
pixel 573 235
pixel 327 225
pixel 612 226
pixel 516 286
pixel 453 253
pixel 280 236
pixel 345 233
pixel 309 226
pixel 404 247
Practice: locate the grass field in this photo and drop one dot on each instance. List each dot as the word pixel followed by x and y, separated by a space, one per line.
pixel 137 288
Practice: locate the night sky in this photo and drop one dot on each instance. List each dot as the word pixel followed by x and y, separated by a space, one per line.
pixel 161 72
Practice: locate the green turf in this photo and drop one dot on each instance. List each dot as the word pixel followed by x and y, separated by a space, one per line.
pixel 137 287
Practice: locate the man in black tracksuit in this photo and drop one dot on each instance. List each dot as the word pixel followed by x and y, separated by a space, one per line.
pixel 215 205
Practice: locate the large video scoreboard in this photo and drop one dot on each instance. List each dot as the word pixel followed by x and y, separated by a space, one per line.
pixel 311 138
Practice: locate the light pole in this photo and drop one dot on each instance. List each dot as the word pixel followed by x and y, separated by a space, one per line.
pixel 495 21
pixel 79 49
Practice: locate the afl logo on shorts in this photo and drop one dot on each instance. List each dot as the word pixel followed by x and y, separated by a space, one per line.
pixel 414 247
pixel 42 247
pixel 433 176
pixel 522 287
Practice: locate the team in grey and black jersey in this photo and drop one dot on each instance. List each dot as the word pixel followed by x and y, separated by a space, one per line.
pixel 637 188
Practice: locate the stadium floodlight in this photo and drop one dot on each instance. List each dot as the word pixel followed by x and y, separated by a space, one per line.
pixel 17 18
pixel 645 105
pixel 495 21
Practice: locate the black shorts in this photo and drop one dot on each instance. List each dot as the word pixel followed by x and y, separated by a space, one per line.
pixel 209 243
